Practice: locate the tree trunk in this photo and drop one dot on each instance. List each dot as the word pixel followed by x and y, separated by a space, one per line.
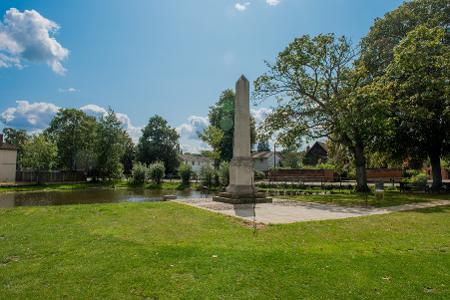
pixel 435 160
pixel 360 164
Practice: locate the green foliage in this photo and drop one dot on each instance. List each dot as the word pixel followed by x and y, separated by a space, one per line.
pixel 326 166
pixel 74 134
pixel 17 138
pixel 321 94
pixel 129 155
pixel 219 134
pixel 185 172
pixel 139 173
pixel 207 175
pixel 223 173
pixel 259 175
pixel 263 145
pixel 416 81
pixel 387 32
pixel 156 171
pixel 292 158
pixel 110 146
pixel 39 153
pixel 159 142
pixel 420 180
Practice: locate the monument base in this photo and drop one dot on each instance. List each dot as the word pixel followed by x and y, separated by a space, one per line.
pixel 245 199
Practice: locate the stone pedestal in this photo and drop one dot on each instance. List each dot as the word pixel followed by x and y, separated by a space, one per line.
pixel 242 187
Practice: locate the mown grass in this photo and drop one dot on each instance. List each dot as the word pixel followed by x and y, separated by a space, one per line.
pixel 166 185
pixel 171 251
pixel 350 198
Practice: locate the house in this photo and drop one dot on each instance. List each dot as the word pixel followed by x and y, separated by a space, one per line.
pixel 316 154
pixel 265 160
pixel 8 161
pixel 196 161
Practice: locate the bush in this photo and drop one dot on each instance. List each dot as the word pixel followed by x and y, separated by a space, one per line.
pixel 419 180
pixel 156 172
pixel 259 175
pixel 185 172
pixel 224 173
pixel 139 173
pixel 206 175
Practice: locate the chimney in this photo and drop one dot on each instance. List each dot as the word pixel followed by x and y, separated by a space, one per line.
pixel 1 139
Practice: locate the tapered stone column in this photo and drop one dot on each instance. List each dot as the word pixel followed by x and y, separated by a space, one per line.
pixel 241 188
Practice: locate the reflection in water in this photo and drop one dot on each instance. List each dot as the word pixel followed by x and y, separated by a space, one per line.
pixel 88 196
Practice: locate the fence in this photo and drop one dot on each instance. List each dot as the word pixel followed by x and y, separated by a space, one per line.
pixel 50 176
pixel 384 175
pixel 303 175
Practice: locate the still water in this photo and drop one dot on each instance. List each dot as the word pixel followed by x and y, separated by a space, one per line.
pixel 89 196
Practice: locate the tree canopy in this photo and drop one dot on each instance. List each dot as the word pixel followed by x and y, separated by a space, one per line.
pixel 159 142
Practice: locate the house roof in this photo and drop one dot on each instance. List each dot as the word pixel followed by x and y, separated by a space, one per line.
pixel 196 158
pixel 319 144
pixel 261 155
pixel 6 146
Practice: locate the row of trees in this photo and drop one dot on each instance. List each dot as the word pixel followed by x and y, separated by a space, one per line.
pixel 99 146
pixel 388 95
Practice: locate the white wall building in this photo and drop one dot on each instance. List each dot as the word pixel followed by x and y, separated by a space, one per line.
pixel 264 161
pixel 8 161
pixel 196 161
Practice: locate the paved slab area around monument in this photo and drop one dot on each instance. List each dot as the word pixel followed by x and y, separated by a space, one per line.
pixel 285 211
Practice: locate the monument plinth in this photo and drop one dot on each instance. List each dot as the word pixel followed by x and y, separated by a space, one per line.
pixel 242 187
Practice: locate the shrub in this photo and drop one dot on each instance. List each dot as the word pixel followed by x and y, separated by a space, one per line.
pixel 206 175
pixel 156 172
pixel 224 173
pixel 259 175
pixel 419 180
pixel 139 173
pixel 185 172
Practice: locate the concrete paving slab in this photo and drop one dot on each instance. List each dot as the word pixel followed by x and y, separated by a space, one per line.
pixel 285 211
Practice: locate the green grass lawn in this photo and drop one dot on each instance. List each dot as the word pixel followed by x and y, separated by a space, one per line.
pixel 350 198
pixel 167 185
pixel 171 251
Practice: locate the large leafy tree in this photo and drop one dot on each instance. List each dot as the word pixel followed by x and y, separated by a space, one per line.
pixel 417 79
pixel 74 134
pixel 321 93
pixel 17 138
pixel 387 32
pixel 219 134
pixel 110 146
pixel 159 142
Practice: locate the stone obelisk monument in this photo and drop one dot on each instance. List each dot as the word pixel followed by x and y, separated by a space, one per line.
pixel 242 188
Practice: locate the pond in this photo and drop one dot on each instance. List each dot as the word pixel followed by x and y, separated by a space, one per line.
pixel 89 196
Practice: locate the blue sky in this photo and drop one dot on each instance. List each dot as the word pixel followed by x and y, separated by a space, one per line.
pixel 146 57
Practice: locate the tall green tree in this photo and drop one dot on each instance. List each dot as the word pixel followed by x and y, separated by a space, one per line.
pixel 17 138
pixel 387 32
pixel 263 145
pixel 159 142
pixel 129 155
pixel 417 80
pixel 219 134
pixel 74 134
pixel 110 146
pixel 321 92
pixel 39 154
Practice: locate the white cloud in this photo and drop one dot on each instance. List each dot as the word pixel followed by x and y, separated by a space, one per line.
pixel 29 116
pixel 94 110
pixel 260 114
pixel 189 140
pixel 68 90
pixel 27 36
pixel 273 2
pixel 241 6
